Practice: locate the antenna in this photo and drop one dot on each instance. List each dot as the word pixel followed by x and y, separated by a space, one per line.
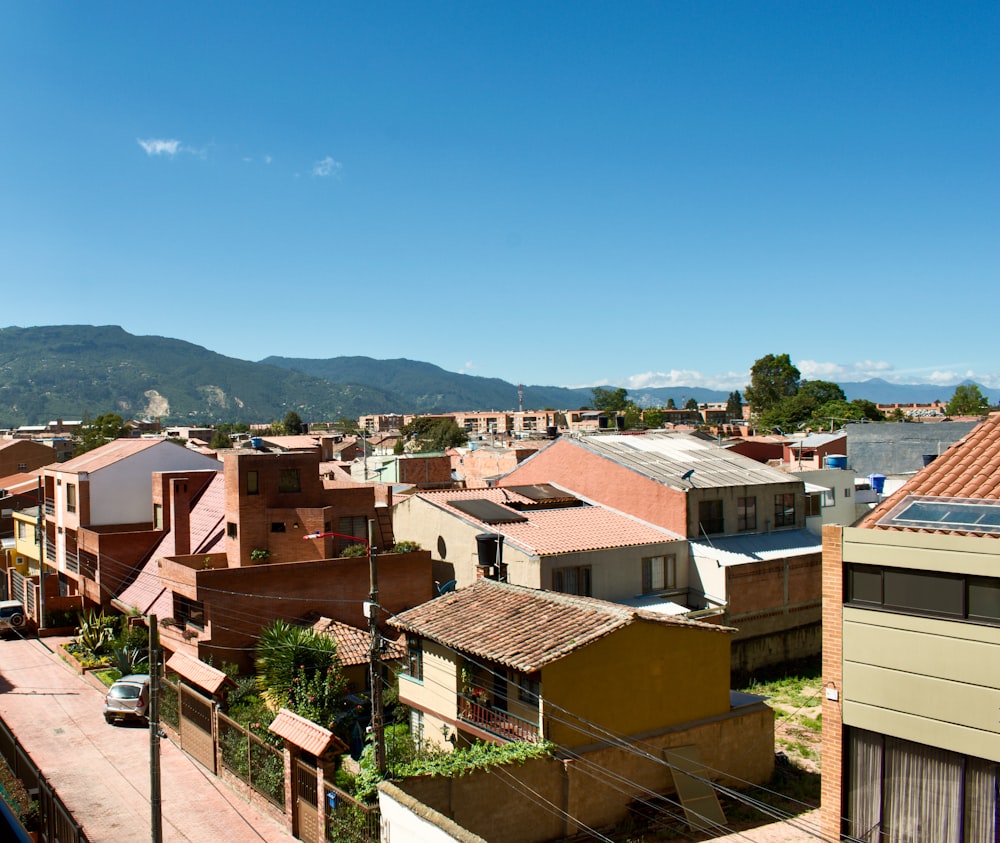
pixel 520 397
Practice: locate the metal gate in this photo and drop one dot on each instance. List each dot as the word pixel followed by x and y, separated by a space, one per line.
pixel 197 735
pixel 306 802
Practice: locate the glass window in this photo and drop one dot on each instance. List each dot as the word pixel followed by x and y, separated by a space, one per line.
pixel 277 526
pixel 414 657
pixel 784 510
pixel 574 580
pixel 924 592
pixel 864 584
pixel 746 514
pixel 288 480
pixel 984 599
pixel 231 529
pixel 157 516
pixel 528 688
pixel 710 517
pixel 252 483
pixel 658 573
pixel 71 497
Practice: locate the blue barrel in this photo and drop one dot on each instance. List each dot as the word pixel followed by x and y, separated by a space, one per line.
pixel 877 482
pixel 256 442
pixel 836 461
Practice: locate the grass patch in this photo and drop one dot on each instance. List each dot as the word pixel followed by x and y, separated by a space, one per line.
pixel 108 676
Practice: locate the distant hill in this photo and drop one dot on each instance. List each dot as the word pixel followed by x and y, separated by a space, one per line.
pixel 72 371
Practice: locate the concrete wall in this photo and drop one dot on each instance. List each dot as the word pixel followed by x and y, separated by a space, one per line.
pixel 899 447
pixel 508 805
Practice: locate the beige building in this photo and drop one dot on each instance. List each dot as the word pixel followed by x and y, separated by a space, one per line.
pixel 911 651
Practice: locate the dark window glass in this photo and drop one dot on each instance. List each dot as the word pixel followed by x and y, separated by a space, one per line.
pixel 277 526
pixel 710 517
pixel 924 592
pixel 784 510
pixel 864 584
pixel 231 529
pixel 414 658
pixel 288 480
pixel 984 599
pixel 746 514
pixel 252 481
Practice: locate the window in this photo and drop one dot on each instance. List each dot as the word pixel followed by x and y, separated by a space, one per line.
pixel 22 466
pixel 252 483
pixel 784 510
pixel 813 503
pixel 71 497
pixel 829 497
pixel 353 525
pixel 231 530
pixel 22 530
pixel 414 658
pixel 847 492
pixel 277 526
pixel 288 480
pixel 189 612
pixel 658 573
pixel 925 593
pixel 746 514
pixel 417 726
pixel 157 516
pixel 574 580
pixel 710 517
pixel 528 688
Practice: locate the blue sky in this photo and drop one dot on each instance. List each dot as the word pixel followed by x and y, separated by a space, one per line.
pixel 557 193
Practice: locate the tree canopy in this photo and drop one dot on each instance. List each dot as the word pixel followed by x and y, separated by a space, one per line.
pixel 772 378
pixel 968 400
pixel 610 400
pixel 433 433
pixel 99 431
pixel 734 406
pixel 292 423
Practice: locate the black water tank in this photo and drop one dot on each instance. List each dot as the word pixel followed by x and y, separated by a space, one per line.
pixel 620 422
pixel 486 544
pixel 552 431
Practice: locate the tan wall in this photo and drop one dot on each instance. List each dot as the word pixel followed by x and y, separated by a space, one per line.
pixel 737 746
pixel 437 692
pixel 636 680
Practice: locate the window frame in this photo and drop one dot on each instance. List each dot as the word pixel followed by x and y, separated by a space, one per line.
pixel 712 519
pixel 746 514
pixel 783 503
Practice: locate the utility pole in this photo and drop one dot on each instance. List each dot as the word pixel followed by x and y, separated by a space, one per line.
pixel 40 541
pixel 155 805
pixel 375 655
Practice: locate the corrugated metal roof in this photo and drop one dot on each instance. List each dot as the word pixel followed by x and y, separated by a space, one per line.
pixel 759 547
pixel 667 457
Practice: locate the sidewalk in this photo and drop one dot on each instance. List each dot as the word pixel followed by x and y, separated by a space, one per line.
pixel 101 772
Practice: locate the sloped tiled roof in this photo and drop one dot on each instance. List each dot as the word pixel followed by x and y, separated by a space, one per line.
pixel 353 643
pixel 303 733
pixel 197 672
pixel 107 455
pixel 969 469
pixel 667 457
pixel 523 628
pixel 549 532
pixel 146 592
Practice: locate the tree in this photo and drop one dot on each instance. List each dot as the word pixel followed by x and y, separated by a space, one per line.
pixel 772 378
pixel 220 439
pixel 671 405
pixel 692 404
pixel 433 433
pixel 610 400
pixel 653 417
pixel 633 415
pixel 968 400
pixel 821 392
pixel 292 423
pixel 99 431
pixel 734 406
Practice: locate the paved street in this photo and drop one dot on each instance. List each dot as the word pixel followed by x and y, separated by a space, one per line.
pixel 101 772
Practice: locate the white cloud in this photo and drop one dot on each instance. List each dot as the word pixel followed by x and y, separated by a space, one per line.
pixel 160 146
pixel 859 371
pixel 327 168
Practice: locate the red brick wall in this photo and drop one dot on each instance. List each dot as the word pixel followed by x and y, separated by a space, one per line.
pixel 423 471
pixel 27 452
pixel 833 615
pixel 572 466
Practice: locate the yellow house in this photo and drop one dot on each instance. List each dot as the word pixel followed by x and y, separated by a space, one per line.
pixel 500 662
pixel 26 547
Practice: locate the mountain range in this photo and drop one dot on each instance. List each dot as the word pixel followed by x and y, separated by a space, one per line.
pixel 79 371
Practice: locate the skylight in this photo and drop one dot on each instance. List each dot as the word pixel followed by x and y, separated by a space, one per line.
pixel 923 512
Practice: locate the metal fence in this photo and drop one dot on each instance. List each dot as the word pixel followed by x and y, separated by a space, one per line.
pixel 247 757
pixel 351 821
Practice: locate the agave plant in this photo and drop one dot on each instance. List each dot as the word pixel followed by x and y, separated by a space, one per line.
pixel 97 632
pixel 131 660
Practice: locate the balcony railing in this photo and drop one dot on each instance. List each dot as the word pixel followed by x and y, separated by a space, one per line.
pixel 500 723
pixel 50 506
pixel 72 562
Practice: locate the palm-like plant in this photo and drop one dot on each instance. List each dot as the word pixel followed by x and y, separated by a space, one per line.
pixel 286 652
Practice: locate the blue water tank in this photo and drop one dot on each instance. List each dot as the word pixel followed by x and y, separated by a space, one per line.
pixel 877 482
pixel 836 461
pixel 256 442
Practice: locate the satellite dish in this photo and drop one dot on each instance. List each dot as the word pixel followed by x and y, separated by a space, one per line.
pixel 687 474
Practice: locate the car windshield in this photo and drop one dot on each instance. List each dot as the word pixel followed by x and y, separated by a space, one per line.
pixel 125 692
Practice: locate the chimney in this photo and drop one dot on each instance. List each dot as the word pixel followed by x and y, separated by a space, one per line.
pixel 180 515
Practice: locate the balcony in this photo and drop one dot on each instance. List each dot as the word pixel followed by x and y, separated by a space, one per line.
pixel 500 723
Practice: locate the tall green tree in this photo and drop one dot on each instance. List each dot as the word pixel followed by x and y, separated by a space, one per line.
pixel 610 400
pixel 968 400
pixel 734 405
pixel 652 417
pixel 692 404
pixel 772 378
pixel 99 431
pixel 292 423
pixel 430 433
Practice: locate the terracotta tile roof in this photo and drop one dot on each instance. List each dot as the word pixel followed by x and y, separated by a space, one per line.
pixel 305 734
pixel 524 628
pixel 197 672
pixel 107 455
pixel 353 643
pixel 548 532
pixel 970 468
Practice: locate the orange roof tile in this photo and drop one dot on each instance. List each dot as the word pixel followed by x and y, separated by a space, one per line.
pixel 353 644
pixel 524 628
pixel 305 734
pixel 967 469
